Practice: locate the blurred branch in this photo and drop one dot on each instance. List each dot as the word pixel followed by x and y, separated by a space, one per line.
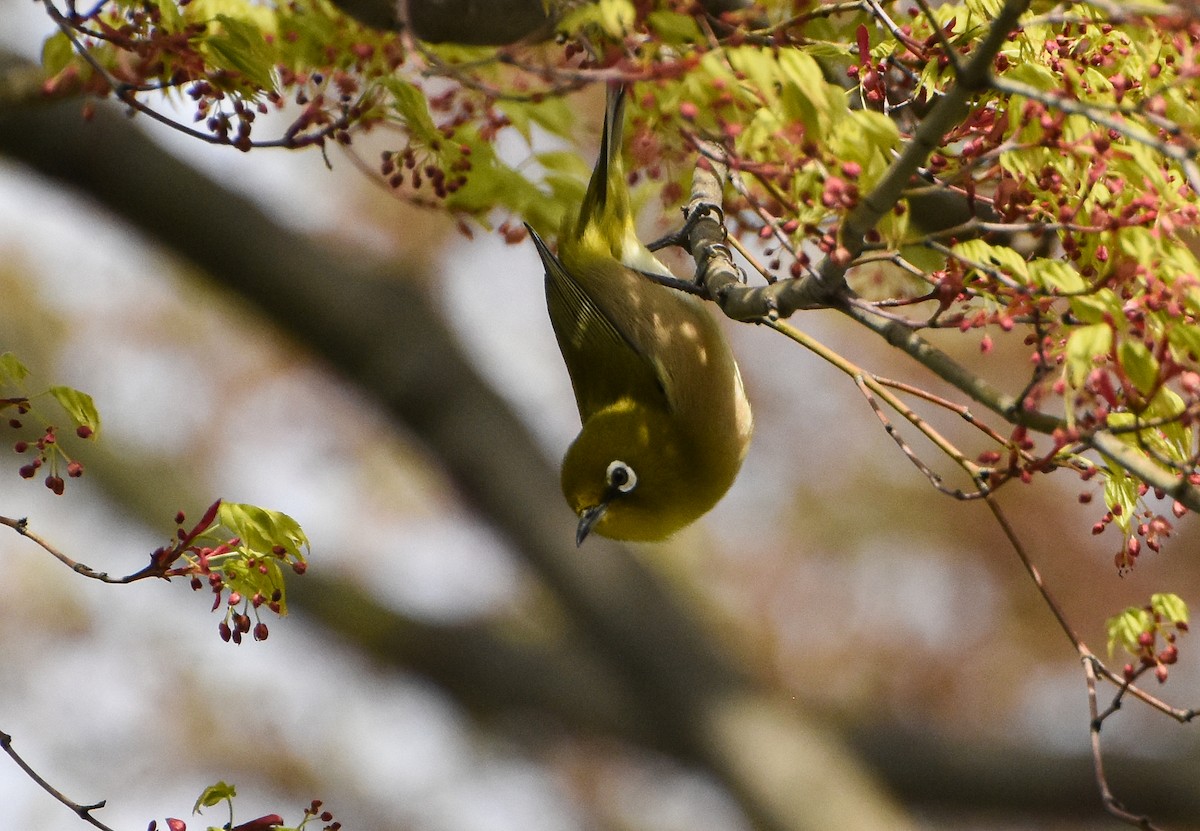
pixel 20 83
pixel 475 22
pixel 496 676
pixel 370 321
pixel 488 673
pixel 466 22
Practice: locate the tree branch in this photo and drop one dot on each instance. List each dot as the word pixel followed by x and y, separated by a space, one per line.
pixel 84 812
pixel 21 526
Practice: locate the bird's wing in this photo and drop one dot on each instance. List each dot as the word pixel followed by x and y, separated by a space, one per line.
pixel 603 361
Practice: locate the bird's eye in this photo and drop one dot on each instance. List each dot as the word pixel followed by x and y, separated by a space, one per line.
pixel 621 476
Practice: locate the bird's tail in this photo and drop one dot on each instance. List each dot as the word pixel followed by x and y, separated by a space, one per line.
pixel 606 188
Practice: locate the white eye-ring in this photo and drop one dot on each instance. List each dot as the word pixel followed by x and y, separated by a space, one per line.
pixel 621 476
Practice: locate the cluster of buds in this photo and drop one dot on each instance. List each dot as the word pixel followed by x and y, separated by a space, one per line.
pixel 237 622
pixel 1143 529
pixel 46 452
pixel 317 811
pixel 871 76
pixel 1149 654
pixel 230 128
pixel 242 580
pixel 445 169
pixel 1148 633
pixel 268 822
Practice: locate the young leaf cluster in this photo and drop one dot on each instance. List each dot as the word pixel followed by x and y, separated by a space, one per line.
pixel 37 438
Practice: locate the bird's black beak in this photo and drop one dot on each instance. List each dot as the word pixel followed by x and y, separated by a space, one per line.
pixel 587 519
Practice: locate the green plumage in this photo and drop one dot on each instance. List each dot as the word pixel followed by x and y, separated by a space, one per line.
pixel 657 387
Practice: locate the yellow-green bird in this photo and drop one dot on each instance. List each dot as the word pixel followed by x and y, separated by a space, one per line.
pixel 665 419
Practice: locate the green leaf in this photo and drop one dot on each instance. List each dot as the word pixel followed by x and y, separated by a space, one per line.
pixel 1056 275
pixel 1139 364
pixel 673 27
pixel 617 17
pixel 57 52
pixel 1083 346
pixel 1121 496
pixel 214 795
pixel 1170 606
pixel 12 371
pixel 413 108
pixel 1185 340
pixel 563 161
pixel 807 96
pixel 1124 629
pixel 1138 244
pixel 1095 307
pixel 1000 257
pixel 1174 438
pixel 1033 74
pixel 79 407
pixel 878 134
pixel 240 46
pixel 171 17
pixel 261 529
pixel 552 113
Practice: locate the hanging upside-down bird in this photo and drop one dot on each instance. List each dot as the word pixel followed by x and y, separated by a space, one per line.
pixel 665 419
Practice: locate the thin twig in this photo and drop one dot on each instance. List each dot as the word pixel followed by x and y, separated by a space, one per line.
pixel 84 812
pixel 1093 668
pixel 1111 804
pixel 21 526
pixel 126 94
pixel 860 376
pixel 934 478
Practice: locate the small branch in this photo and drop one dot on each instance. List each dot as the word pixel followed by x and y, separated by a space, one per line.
pixel 21 526
pixel 1181 715
pixel 1111 804
pixel 20 84
pixel 84 812
pixel 126 94
pixel 961 410
pixel 935 479
pixel 1093 668
pixel 866 382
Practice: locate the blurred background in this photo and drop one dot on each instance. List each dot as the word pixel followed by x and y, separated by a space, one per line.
pixel 279 333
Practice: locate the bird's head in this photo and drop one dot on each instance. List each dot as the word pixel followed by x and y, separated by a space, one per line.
pixel 629 476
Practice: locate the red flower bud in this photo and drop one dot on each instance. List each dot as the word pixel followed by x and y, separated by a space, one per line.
pixel 261 824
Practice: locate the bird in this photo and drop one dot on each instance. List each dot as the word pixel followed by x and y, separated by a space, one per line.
pixel 665 422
